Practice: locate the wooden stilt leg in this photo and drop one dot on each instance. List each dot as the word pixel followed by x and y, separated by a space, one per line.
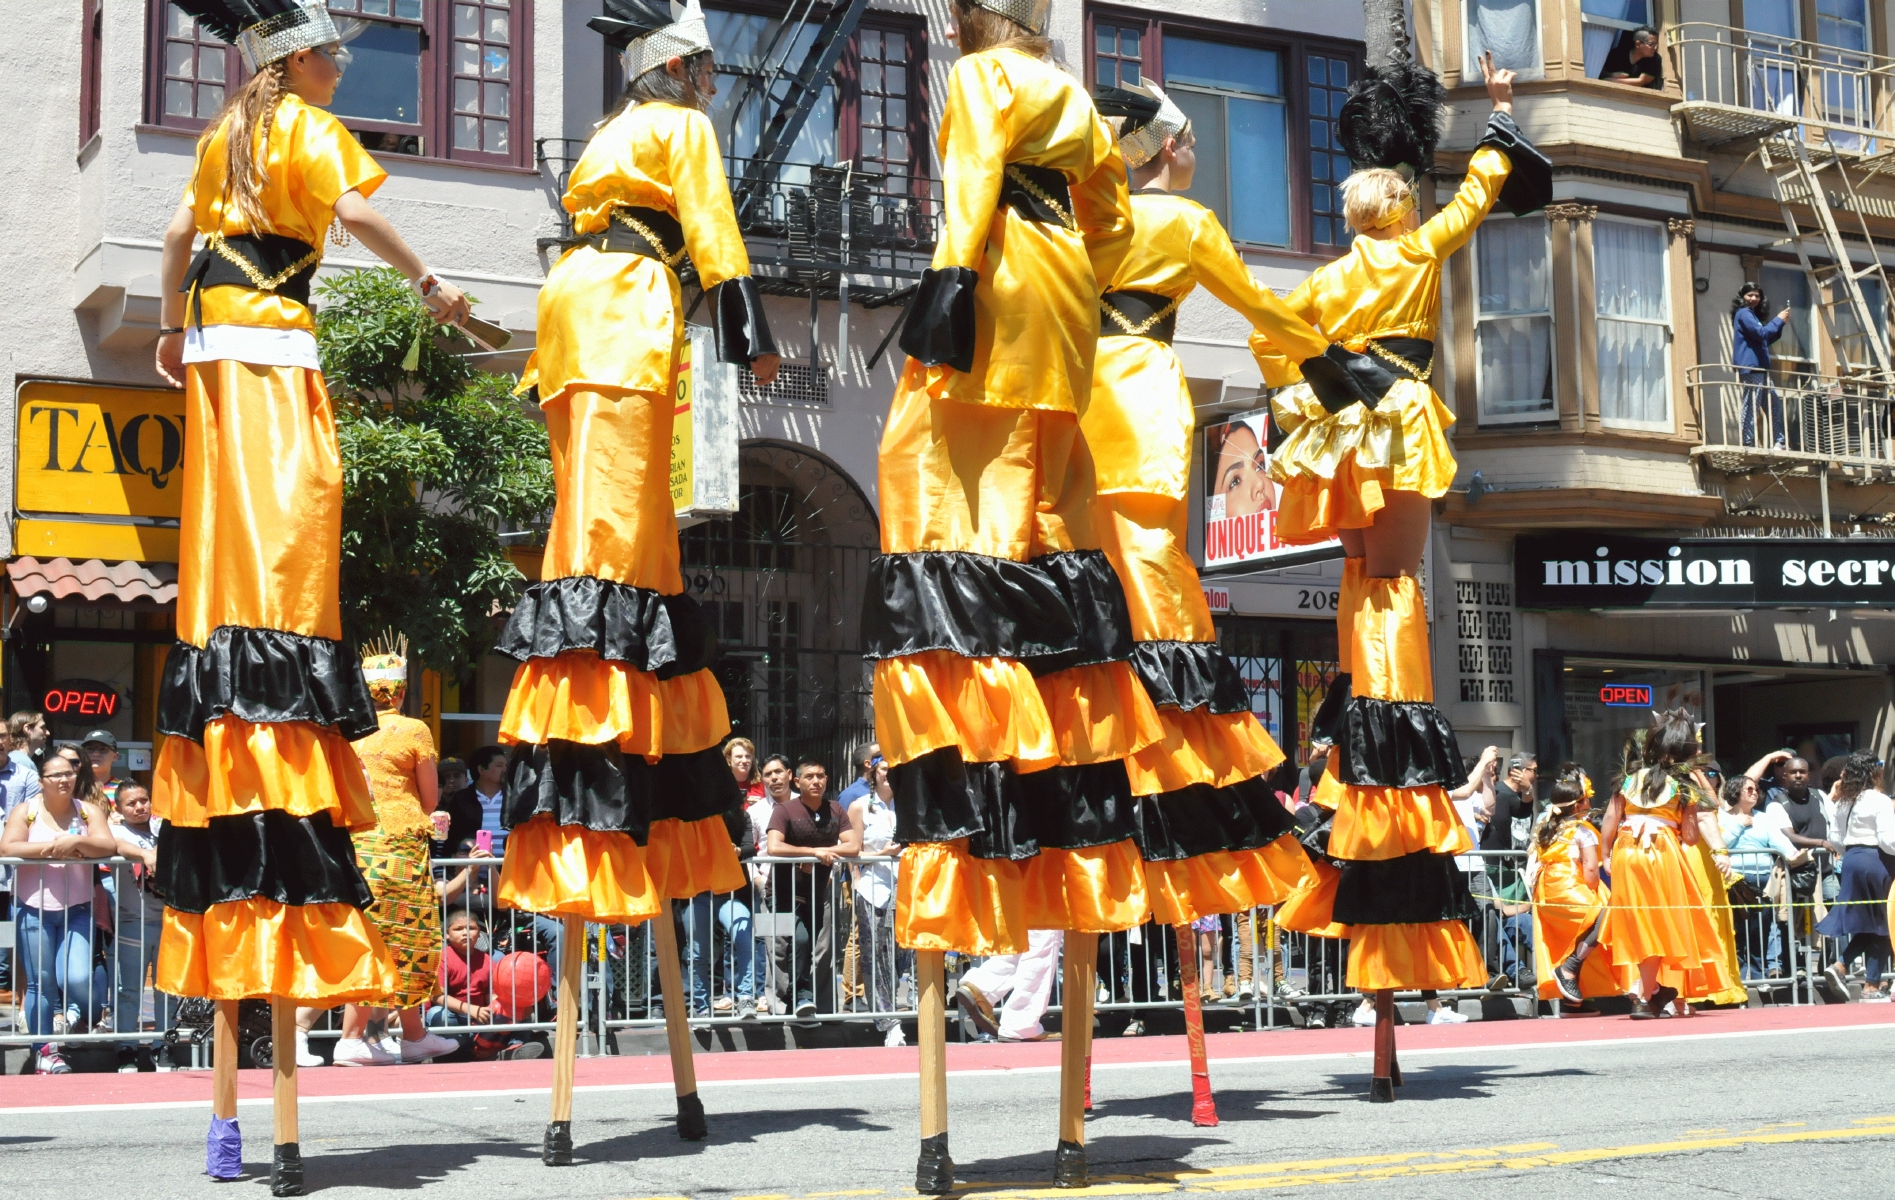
pixel 678 1031
pixel 1082 958
pixel 934 1172
pixel 1203 1108
pixel 557 1149
pixel 1382 1086
pixel 223 1147
pixel 286 1165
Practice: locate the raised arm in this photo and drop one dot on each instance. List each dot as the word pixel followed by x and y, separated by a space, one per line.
pixel 1449 229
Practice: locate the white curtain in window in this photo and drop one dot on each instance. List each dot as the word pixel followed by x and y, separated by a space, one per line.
pixel 1509 28
pixel 1628 271
pixel 1599 40
pixel 1515 329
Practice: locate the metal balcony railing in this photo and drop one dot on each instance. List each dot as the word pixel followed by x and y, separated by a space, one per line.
pixel 1739 85
pixel 1755 420
pixel 811 226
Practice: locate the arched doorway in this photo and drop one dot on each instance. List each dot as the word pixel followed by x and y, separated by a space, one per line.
pixel 783 583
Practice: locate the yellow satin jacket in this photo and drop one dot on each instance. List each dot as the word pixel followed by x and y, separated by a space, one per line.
pixel 1139 423
pixel 1036 305
pixel 612 321
pixel 1392 288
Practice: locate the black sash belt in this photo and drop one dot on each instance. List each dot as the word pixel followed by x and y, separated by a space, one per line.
pixel 622 237
pixel 268 262
pixel 1416 353
pixel 1038 194
pixel 1390 360
pixel 1138 310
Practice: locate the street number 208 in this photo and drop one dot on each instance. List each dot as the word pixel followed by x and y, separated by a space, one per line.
pixel 1318 600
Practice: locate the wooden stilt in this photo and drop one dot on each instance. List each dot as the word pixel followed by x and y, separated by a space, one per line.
pixel 1382 1086
pixel 557 1149
pixel 223 1146
pixel 1082 958
pixel 286 1164
pixel 678 1030
pixel 1203 1107
pixel 934 1172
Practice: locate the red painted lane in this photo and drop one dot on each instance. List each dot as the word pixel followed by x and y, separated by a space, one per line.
pixel 762 1065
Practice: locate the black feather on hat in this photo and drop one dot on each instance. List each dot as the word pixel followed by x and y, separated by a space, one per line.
pixel 1137 108
pixel 1392 117
pixel 225 19
pixel 626 21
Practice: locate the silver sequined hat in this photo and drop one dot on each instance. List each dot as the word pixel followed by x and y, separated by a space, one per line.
pixel 1029 14
pixel 266 31
pixel 1143 144
pixel 650 32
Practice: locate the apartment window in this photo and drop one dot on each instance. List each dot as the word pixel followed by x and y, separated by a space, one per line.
pixel 1877 302
pixel 1510 29
pixel 1632 303
pixel 1788 287
pixel 1263 110
pixel 433 78
pixel 91 67
pixel 1513 330
pixel 1604 23
pixel 873 112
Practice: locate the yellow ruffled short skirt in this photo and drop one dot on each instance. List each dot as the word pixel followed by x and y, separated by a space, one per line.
pixel 1336 467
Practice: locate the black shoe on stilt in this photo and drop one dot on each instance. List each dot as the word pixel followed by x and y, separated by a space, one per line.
pixel 556 1151
pixel 1381 1091
pixel 1069 1165
pixel 934 1172
pixel 286 1170
pixel 691 1125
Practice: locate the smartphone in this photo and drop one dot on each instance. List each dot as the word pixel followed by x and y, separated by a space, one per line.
pixel 483 841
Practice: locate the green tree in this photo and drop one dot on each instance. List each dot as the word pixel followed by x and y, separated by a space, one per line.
pixel 436 456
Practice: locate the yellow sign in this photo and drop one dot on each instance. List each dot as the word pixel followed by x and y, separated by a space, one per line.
pixel 683 466
pixel 94 450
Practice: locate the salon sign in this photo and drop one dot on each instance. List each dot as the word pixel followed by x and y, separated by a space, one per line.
pixel 1600 570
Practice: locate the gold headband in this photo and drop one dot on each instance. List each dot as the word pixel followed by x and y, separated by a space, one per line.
pixel 1401 210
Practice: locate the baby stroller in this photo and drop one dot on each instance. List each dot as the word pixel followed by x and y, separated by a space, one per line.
pixel 197 1023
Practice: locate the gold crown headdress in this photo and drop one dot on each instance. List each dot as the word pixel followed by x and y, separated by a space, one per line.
pixel 385 665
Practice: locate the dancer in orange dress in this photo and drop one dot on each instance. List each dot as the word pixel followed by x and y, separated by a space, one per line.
pixel 1659 919
pixel 1569 899
pixel 1369 474
pixel 617 790
pixel 256 782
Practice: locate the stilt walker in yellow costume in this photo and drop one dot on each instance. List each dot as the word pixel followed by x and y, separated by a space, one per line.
pixel 1369 474
pixel 256 781
pixel 617 791
pixel 1005 698
pixel 1215 839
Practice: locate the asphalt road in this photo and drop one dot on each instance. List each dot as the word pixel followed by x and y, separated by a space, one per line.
pixel 1789 1114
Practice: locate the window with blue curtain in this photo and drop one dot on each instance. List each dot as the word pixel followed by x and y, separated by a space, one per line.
pixel 1234 96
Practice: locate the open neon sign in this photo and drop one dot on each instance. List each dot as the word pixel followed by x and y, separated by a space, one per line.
pixel 80 701
pixel 1626 695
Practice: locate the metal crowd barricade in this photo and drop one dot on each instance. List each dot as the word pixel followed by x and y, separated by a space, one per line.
pixel 801 942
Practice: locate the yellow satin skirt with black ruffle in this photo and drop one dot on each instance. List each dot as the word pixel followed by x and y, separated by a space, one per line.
pixel 260 546
pixel 1336 467
pixel 1013 484
pixel 613 521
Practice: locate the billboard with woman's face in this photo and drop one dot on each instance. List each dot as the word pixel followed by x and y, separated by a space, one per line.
pixel 1240 498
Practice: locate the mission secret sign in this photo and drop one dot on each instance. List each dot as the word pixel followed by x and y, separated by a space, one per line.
pixel 1602 570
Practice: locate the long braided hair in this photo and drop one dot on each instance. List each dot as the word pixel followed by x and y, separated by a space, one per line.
pixel 248 116
pixel 1570 790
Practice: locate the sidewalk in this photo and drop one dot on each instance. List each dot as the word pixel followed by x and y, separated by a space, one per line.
pixel 1229 1053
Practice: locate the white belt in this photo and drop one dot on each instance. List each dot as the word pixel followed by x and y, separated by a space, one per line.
pixel 1644 828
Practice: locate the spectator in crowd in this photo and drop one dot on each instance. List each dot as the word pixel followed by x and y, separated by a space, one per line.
pixel 53 927
pixel 1755 845
pixel 1865 816
pixel 137 920
pixel 1635 61
pixel 101 750
pixel 778 782
pixel 809 826
pixel 466 996
pixel 478 805
pixel 872 818
pixel 727 911
pixel 451 776
pixel 740 754
pixel 1513 802
pixel 1020 983
pixel 862 759
pixel 19 782
pixel 1806 817
pixel 30 738
pixel 1751 339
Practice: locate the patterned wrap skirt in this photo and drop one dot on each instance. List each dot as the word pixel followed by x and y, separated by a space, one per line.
pixel 404 912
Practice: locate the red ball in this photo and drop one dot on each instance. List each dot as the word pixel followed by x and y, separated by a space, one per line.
pixel 520 980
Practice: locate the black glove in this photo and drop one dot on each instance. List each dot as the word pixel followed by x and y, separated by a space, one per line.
pixel 743 333
pixel 938 329
pixel 1529 185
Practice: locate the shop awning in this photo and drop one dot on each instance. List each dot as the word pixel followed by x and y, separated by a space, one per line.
pixel 93 579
